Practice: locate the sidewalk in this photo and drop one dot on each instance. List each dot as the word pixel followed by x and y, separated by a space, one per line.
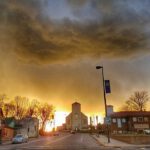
pixel 115 143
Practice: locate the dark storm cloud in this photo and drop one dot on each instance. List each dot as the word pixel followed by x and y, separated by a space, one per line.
pixel 120 29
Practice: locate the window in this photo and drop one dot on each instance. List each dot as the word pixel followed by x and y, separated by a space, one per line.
pixel 123 120
pixel 114 120
pixel 119 123
pixel 76 116
pixel 134 119
pixel 140 119
pixel 146 119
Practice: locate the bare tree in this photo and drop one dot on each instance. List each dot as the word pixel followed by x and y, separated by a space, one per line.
pixel 137 101
pixel 21 105
pixel 33 108
pixel 8 110
pixel 45 113
pixel 3 97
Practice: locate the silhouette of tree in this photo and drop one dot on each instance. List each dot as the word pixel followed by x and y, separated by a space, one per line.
pixel 21 105
pixel 33 108
pixel 45 113
pixel 136 102
pixel 8 110
pixel 3 97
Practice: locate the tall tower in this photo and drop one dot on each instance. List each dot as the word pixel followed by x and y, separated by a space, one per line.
pixel 76 107
pixel 76 116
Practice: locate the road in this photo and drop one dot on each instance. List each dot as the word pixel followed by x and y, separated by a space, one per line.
pixel 63 142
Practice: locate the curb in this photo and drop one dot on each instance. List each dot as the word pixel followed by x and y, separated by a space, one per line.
pixel 115 146
pixel 101 144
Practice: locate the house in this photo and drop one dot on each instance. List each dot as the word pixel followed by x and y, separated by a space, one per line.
pixel 7 133
pixel 28 126
pixel 1 117
pixel 130 121
pixel 76 120
pixel 1 124
pixel 8 128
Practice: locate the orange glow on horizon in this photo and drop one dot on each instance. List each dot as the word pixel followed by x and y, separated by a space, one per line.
pixel 60 118
pixel 48 127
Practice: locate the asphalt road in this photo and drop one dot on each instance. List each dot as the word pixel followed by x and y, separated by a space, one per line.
pixel 63 142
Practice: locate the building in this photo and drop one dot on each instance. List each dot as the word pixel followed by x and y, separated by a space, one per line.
pixel 7 133
pixel 76 120
pixel 28 126
pixel 130 121
pixel 8 129
pixel 1 125
pixel 1 118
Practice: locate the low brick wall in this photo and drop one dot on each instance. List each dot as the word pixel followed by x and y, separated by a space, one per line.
pixel 133 139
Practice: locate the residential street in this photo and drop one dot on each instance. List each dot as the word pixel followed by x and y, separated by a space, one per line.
pixel 63 142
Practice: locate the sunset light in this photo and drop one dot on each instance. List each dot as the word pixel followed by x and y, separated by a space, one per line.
pixel 74 67
pixel 48 127
pixel 60 118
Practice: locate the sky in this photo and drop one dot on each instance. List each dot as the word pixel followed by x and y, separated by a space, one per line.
pixel 49 50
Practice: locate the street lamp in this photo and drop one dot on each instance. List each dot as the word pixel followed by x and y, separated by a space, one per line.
pixel 105 102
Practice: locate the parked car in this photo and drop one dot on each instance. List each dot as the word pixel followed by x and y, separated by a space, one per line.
pixel 56 133
pixel 19 138
pixel 72 132
pixel 146 131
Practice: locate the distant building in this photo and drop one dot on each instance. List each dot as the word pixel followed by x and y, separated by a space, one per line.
pixel 130 121
pixel 76 120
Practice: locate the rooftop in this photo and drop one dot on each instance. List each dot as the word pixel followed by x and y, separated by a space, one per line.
pixel 75 103
pixel 130 113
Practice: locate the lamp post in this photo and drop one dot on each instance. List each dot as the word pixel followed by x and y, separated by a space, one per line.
pixel 105 102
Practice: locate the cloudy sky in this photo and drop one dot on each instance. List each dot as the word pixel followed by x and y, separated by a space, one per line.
pixel 49 50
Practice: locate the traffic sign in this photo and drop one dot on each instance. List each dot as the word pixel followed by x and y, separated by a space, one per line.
pixel 108 120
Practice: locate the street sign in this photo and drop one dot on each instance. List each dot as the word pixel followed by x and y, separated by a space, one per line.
pixel 107 86
pixel 108 120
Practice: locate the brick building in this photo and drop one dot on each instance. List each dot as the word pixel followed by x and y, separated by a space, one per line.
pixel 130 121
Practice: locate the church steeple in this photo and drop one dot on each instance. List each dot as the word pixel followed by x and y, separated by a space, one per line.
pixel 76 107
